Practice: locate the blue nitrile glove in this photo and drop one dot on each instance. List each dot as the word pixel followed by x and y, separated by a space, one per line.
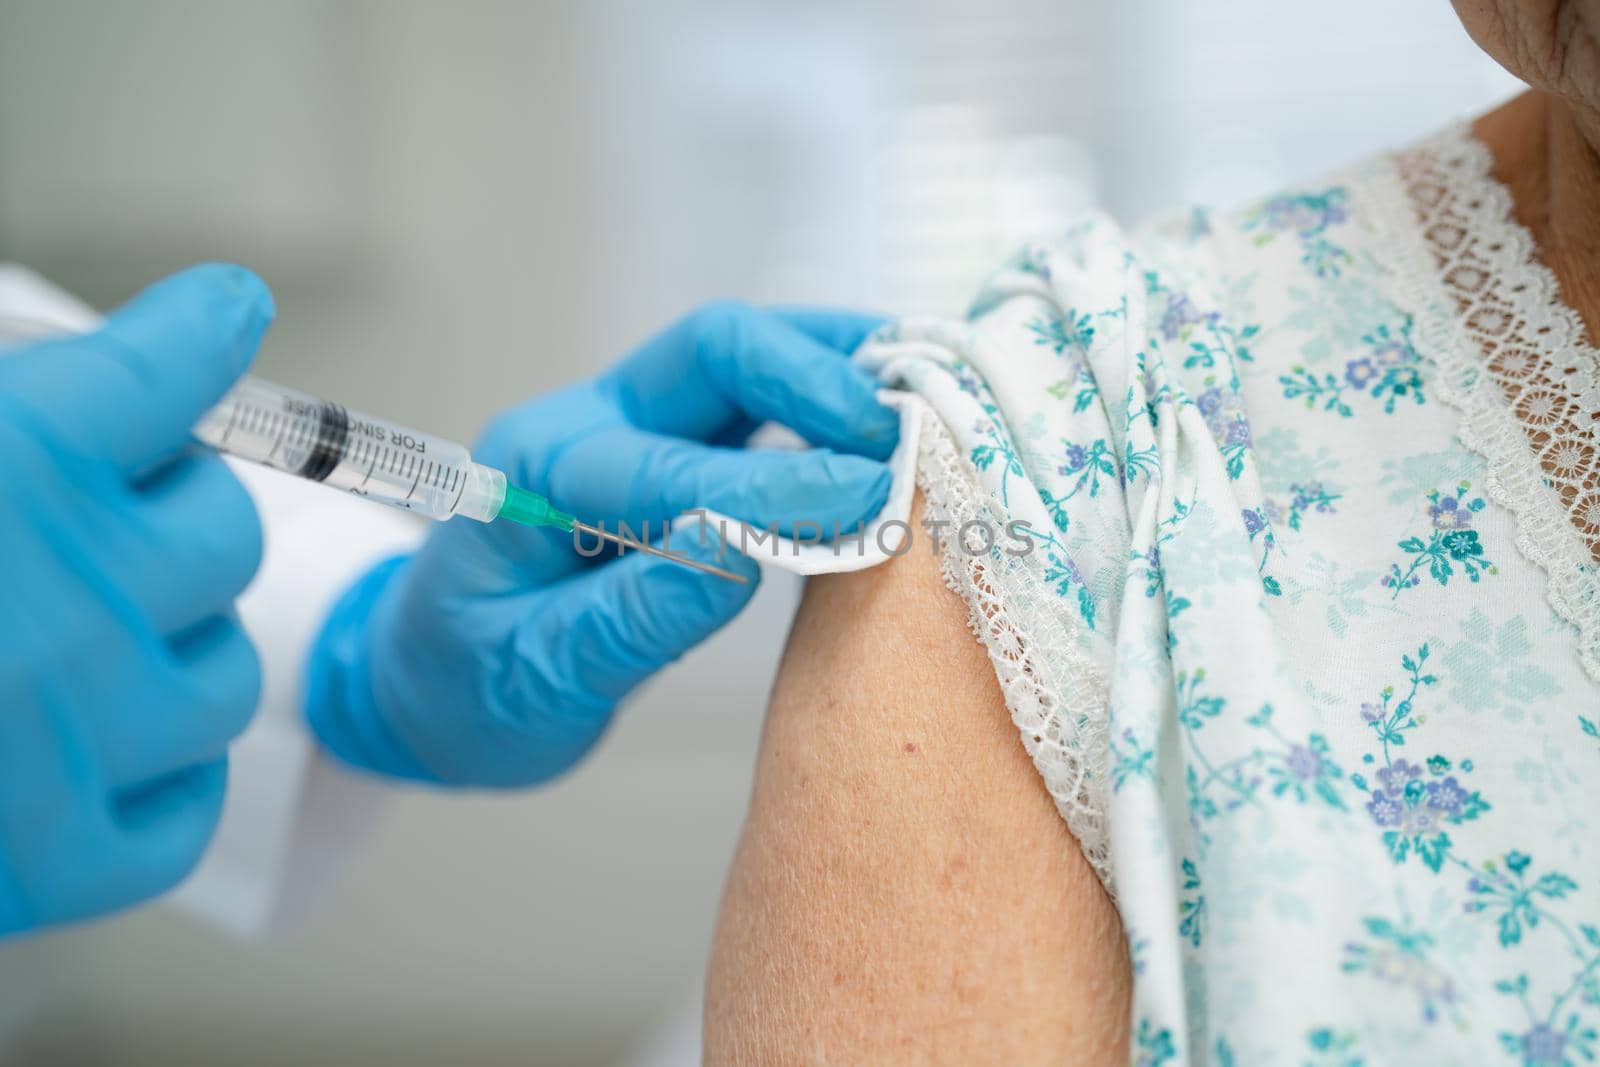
pixel 123 671
pixel 497 654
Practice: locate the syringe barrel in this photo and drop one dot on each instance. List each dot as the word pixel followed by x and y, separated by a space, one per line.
pixel 325 442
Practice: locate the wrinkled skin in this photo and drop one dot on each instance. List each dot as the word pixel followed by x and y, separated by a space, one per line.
pixel 1553 45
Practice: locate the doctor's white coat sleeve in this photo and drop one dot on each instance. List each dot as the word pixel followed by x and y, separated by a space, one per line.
pixel 292 817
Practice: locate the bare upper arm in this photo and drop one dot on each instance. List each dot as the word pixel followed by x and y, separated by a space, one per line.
pixel 905 890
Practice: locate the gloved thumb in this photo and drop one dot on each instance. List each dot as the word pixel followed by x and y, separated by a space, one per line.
pixel 131 391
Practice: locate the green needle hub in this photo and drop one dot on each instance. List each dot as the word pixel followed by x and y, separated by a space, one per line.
pixel 531 509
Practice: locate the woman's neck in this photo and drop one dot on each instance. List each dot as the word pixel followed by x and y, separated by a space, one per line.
pixel 1547 152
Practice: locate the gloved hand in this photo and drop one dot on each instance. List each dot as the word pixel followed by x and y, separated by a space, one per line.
pixel 123 672
pixel 497 654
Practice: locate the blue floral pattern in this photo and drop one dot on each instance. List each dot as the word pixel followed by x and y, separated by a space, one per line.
pixel 1347 751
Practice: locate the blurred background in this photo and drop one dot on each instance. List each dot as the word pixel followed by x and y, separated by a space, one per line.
pixel 521 191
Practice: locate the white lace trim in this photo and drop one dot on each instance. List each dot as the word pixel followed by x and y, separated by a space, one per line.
pixel 1056 695
pixel 1512 358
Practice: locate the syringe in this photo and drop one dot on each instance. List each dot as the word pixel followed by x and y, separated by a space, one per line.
pixel 390 464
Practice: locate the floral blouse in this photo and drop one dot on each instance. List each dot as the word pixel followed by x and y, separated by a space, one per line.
pixel 1307 647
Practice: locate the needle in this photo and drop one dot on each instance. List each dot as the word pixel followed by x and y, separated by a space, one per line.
pixel 654 551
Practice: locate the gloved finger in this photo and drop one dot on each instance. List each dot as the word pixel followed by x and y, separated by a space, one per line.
pixel 52 814
pixel 190 544
pixel 131 391
pixel 837 328
pixel 210 695
pixel 588 642
pixel 840 330
pixel 48 765
pixel 728 360
pixel 635 476
pixel 166 825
